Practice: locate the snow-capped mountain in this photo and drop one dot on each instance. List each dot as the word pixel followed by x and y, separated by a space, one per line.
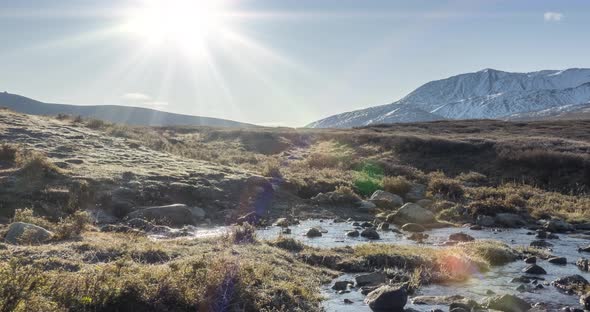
pixel 487 93
pixel 575 111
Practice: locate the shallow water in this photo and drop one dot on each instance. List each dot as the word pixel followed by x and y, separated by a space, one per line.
pixel 497 280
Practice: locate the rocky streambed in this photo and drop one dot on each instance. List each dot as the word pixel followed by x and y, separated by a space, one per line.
pixel 507 279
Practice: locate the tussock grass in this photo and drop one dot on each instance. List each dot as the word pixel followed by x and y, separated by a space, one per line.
pixel 66 228
pixel 199 275
pixel 396 185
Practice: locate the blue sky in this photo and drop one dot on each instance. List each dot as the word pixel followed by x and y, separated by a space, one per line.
pixel 283 62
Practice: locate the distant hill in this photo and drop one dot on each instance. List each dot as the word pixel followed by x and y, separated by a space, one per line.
pixel 113 113
pixel 486 94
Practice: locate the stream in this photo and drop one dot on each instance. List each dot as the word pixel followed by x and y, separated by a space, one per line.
pixel 496 280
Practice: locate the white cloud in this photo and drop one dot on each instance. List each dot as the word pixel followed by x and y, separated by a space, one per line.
pixel 141 99
pixel 135 96
pixel 156 104
pixel 553 16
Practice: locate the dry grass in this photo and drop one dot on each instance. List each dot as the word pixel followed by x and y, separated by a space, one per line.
pixel 106 272
pixel 66 228
pixel 396 185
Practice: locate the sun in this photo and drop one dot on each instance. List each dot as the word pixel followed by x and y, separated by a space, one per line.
pixel 187 24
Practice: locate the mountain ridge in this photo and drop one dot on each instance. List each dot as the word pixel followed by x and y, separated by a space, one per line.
pixel 113 113
pixel 485 94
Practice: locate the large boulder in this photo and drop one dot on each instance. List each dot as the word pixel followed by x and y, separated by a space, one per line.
pixel 26 233
pixel 557 260
pixel 412 213
pixel 370 233
pixel 583 264
pixel 558 226
pixel 507 303
pixel 484 220
pixel 365 205
pixel 574 283
pixel 386 200
pixel 509 220
pixel 171 215
pixel 416 192
pixel 387 298
pixel 534 269
pixel 313 232
pixel 371 279
pixel 413 227
pixel 461 237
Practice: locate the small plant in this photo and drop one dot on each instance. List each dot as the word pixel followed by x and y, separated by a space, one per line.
pixel 96 124
pixel 396 185
pixel 472 177
pixel 243 234
pixel 8 153
pixel 289 244
pixel 345 190
pixel 449 188
pixel 272 168
pixel 72 226
pixel 366 185
pixel 34 165
pixel 27 215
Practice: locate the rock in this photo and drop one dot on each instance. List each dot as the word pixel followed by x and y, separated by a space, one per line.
pixel 25 233
pixel 520 279
pixel 198 213
pixel 370 233
pixel 341 285
pixel 558 226
pixel 464 304
pixel 384 226
pixel 531 259
pixel 283 222
pixel 476 227
pixel 584 249
pixel 509 220
pixel 585 301
pixel 583 264
pixel 366 224
pixel 119 228
pixel 347 301
pixel 172 215
pixel 436 300
pixel 540 244
pixel 534 269
pixel 371 279
pixel 571 283
pixel 507 303
pixel 354 233
pixel 541 234
pixel 411 213
pixel 386 200
pixel 366 205
pixel 250 218
pixel 426 203
pixel 416 192
pixel 521 288
pixel 140 224
pixel 413 227
pixel 558 260
pixel 461 237
pixel 387 298
pixel 483 220
pixel 286 231
pixel 418 237
pixel 313 232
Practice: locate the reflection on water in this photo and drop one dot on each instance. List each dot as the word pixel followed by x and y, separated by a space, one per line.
pixel 497 280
